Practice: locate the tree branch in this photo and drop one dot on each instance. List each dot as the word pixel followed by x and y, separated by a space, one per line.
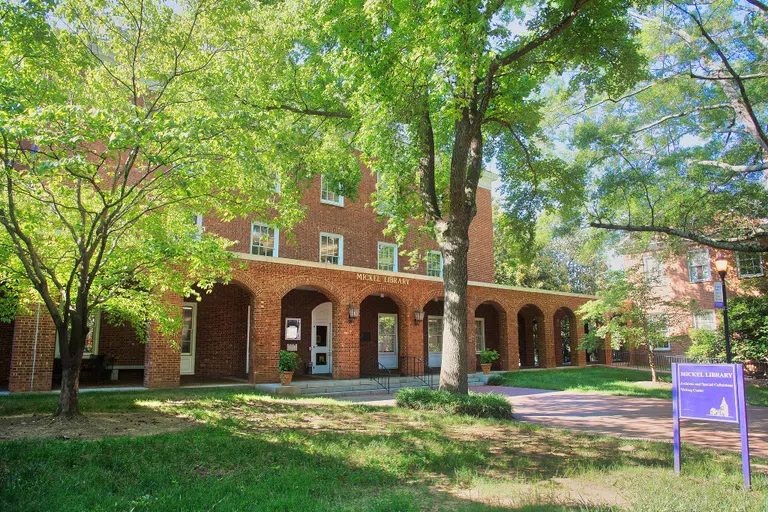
pixel 728 244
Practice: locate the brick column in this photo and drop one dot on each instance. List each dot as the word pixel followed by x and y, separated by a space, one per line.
pixel 471 348
pixel 578 357
pixel 509 350
pixel 162 355
pixel 32 352
pixel 265 338
pixel 530 352
pixel 346 343
pixel 557 335
pixel 546 341
pixel 411 340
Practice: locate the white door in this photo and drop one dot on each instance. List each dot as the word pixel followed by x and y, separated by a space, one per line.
pixel 188 337
pixel 321 348
pixel 388 340
pixel 435 341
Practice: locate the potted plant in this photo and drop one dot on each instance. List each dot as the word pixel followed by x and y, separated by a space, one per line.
pixel 487 357
pixel 287 362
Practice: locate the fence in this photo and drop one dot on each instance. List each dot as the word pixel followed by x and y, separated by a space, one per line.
pixel 663 362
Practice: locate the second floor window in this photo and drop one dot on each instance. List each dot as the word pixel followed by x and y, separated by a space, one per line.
pixel 698 265
pixel 329 194
pixel 264 240
pixel 331 249
pixel 435 264
pixel 387 256
pixel 704 319
pixel 750 264
pixel 660 322
pixel 654 270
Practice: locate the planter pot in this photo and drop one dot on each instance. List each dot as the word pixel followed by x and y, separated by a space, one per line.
pixel 285 378
pixel 486 368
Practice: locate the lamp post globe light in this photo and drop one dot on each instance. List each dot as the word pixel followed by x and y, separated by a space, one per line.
pixel 721 264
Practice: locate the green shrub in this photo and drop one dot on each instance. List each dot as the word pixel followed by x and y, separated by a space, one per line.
pixel 473 404
pixel 495 380
pixel 488 356
pixel 706 345
pixel 287 361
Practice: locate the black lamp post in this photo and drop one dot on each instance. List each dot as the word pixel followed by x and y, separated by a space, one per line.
pixel 721 264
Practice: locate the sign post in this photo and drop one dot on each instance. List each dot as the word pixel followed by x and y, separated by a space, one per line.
pixel 710 392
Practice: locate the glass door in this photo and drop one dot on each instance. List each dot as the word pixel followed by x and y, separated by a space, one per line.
pixel 388 340
pixel 188 337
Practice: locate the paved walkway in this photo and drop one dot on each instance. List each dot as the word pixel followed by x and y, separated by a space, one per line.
pixel 629 417
pixel 621 416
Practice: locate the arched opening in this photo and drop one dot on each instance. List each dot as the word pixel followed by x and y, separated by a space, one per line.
pixel 566 338
pixel 6 347
pixel 381 333
pixel 530 336
pixel 433 332
pixel 489 319
pixel 308 328
pixel 215 335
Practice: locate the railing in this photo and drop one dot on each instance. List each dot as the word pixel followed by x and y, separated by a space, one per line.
pixel 382 377
pixel 663 362
pixel 416 367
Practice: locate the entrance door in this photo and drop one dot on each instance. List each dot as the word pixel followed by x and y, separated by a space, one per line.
pixel 321 348
pixel 435 341
pixel 388 340
pixel 188 337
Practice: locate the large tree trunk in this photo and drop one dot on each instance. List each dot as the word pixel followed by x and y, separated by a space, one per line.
pixel 69 399
pixel 71 347
pixel 453 370
pixel 652 364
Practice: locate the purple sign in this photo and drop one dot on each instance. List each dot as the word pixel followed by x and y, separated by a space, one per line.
pixel 710 392
pixel 719 299
pixel 707 392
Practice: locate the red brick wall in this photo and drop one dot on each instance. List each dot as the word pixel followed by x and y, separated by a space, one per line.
pixel 6 344
pixel 369 323
pixel 222 332
pixel 32 336
pixel 362 231
pixel 120 341
pixel 299 304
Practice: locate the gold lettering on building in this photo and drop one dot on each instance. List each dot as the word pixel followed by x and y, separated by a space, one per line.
pixel 382 279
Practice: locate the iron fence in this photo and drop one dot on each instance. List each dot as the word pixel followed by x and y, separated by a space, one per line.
pixel 663 362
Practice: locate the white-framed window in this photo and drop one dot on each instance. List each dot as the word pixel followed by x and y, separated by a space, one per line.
pixel 331 248
pixel 387 256
pixel 653 269
pixel 704 319
pixel 328 195
pixel 435 334
pixel 435 264
pixel 92 341
pixel 197 220
pixel 387 333
pixel 265 240
pixel 663 319
pixel 479 334
pixel 749 264
pixel 699 268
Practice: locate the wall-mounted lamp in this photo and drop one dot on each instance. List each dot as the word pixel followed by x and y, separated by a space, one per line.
pixel 354 311
pixel 418 315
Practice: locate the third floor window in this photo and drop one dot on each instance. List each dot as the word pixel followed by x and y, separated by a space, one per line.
pixel 750 264
pixel 698 265
pixel 654 270
pixel 329 194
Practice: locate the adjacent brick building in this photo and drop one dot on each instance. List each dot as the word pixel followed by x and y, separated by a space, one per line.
pixel 338 292
pixel 691 275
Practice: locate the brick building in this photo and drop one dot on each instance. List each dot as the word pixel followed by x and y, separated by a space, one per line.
pixel 691 275
pixel 338 292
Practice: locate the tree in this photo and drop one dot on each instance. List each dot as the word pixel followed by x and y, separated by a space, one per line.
pixel 684 155
pixel 748 319
pixel 558 258
pixel 441 88
pixel 626 315
pixel 110 147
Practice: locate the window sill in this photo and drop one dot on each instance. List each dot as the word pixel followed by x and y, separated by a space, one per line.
pixel 747 276
pixel 331 203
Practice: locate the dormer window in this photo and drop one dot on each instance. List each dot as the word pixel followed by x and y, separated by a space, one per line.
pixel 329 194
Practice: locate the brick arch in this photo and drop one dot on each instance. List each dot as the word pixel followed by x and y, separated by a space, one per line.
pixel 578 357
pixel 499 338
pixel 391 292
pixel 329 290
pixel 429 297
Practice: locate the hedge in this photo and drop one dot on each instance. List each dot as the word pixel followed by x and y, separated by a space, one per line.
pixel 486 405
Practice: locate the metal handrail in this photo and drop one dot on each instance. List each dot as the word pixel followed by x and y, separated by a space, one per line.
pixel 417 368
pixel 382 379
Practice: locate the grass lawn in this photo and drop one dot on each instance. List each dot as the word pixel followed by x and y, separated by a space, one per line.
pixel 613 381
pixel 235 450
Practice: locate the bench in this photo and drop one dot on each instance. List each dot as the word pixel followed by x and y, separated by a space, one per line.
pixel 116 369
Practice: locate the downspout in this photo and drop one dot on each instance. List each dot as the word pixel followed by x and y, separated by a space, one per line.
pixel 34 349
pixel 248 342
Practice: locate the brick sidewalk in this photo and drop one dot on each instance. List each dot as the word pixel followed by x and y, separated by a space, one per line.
pixel 629 417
